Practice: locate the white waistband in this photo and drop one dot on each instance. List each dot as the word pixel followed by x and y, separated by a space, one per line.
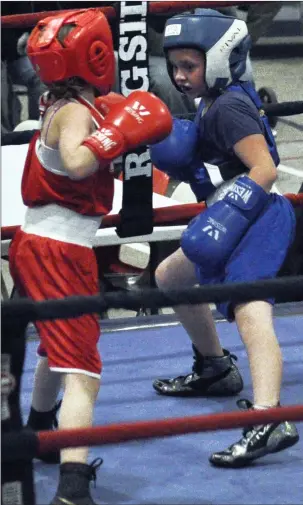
pixel 60 223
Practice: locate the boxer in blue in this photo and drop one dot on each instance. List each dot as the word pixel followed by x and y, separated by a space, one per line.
pixel 229 157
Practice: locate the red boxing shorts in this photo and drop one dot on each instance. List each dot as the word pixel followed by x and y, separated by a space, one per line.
pixel 44 268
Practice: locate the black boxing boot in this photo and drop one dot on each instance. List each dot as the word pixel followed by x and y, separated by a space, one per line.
pixel 73 488
pixel 40 421
pixel 257 441
pixel 211 376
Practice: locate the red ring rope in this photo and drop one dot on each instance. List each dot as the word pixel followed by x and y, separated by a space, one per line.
pixel 173 214
pixel 185 212
pixel 29 20
pixel 115 433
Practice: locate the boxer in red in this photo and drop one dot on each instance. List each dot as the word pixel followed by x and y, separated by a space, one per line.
pixel 68 186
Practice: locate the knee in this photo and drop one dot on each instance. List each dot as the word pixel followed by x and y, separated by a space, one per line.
pixel 167 275
pixel 162 277
pixel 255 323
pixel 85 385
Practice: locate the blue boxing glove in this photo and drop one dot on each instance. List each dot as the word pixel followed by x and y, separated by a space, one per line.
pixel 213 235
pixel 176 152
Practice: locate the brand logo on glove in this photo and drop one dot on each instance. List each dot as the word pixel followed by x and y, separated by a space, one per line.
pixel 240 191
pixel 138 112
pixel 214 229
pixel 104 137
pixel 211 232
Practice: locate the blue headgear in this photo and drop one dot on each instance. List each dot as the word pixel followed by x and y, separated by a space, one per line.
pixel 224 40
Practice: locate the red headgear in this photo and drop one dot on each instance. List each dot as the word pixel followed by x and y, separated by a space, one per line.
pixel 86 52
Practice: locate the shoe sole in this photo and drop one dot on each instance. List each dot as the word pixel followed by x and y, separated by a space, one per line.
pixel 210 390
pixel 243 463
pixel 196 394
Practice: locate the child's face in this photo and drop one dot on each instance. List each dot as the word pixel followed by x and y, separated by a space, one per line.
pixel 189 71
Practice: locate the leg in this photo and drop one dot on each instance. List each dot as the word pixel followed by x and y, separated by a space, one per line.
pixel 79 362
pixel 76 411
pixel 70 344
pixel 177 272
pixel 47 385
pixel 255 325
pixel 214 372
pixel 42 416
pixel 80 393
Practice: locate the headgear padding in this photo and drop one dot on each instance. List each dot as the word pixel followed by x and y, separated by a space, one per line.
pixel 86 51
pixel 223 39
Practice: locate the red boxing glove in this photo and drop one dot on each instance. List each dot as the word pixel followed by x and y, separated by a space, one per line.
pixel 141 118
pixel 106 103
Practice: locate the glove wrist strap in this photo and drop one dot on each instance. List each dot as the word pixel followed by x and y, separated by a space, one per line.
pixel 248 196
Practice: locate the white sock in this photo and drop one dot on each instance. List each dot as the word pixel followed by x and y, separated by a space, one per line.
pixel 263 407
pixel 47 385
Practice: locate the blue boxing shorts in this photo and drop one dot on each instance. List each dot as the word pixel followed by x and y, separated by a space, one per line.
pixel 260 253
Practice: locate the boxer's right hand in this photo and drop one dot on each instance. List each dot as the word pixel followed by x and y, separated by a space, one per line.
pixel 140 119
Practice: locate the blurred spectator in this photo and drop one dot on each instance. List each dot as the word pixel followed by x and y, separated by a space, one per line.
pixel 258 17
pixel 22 73
pixel 18 70
pixel 10 103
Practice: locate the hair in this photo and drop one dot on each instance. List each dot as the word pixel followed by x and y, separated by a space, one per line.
pixel 69 88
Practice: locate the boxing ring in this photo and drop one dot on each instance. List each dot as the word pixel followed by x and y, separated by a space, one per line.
pixel 176 469
pixel 159 464
pixel 155 448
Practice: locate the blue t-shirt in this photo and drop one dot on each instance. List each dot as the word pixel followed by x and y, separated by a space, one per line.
pixel 232 117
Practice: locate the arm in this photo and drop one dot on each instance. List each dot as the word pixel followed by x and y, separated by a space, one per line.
pixel 237 128
pixel 139 119
pixel 75 124
pixel 253 152
pixel 212 237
